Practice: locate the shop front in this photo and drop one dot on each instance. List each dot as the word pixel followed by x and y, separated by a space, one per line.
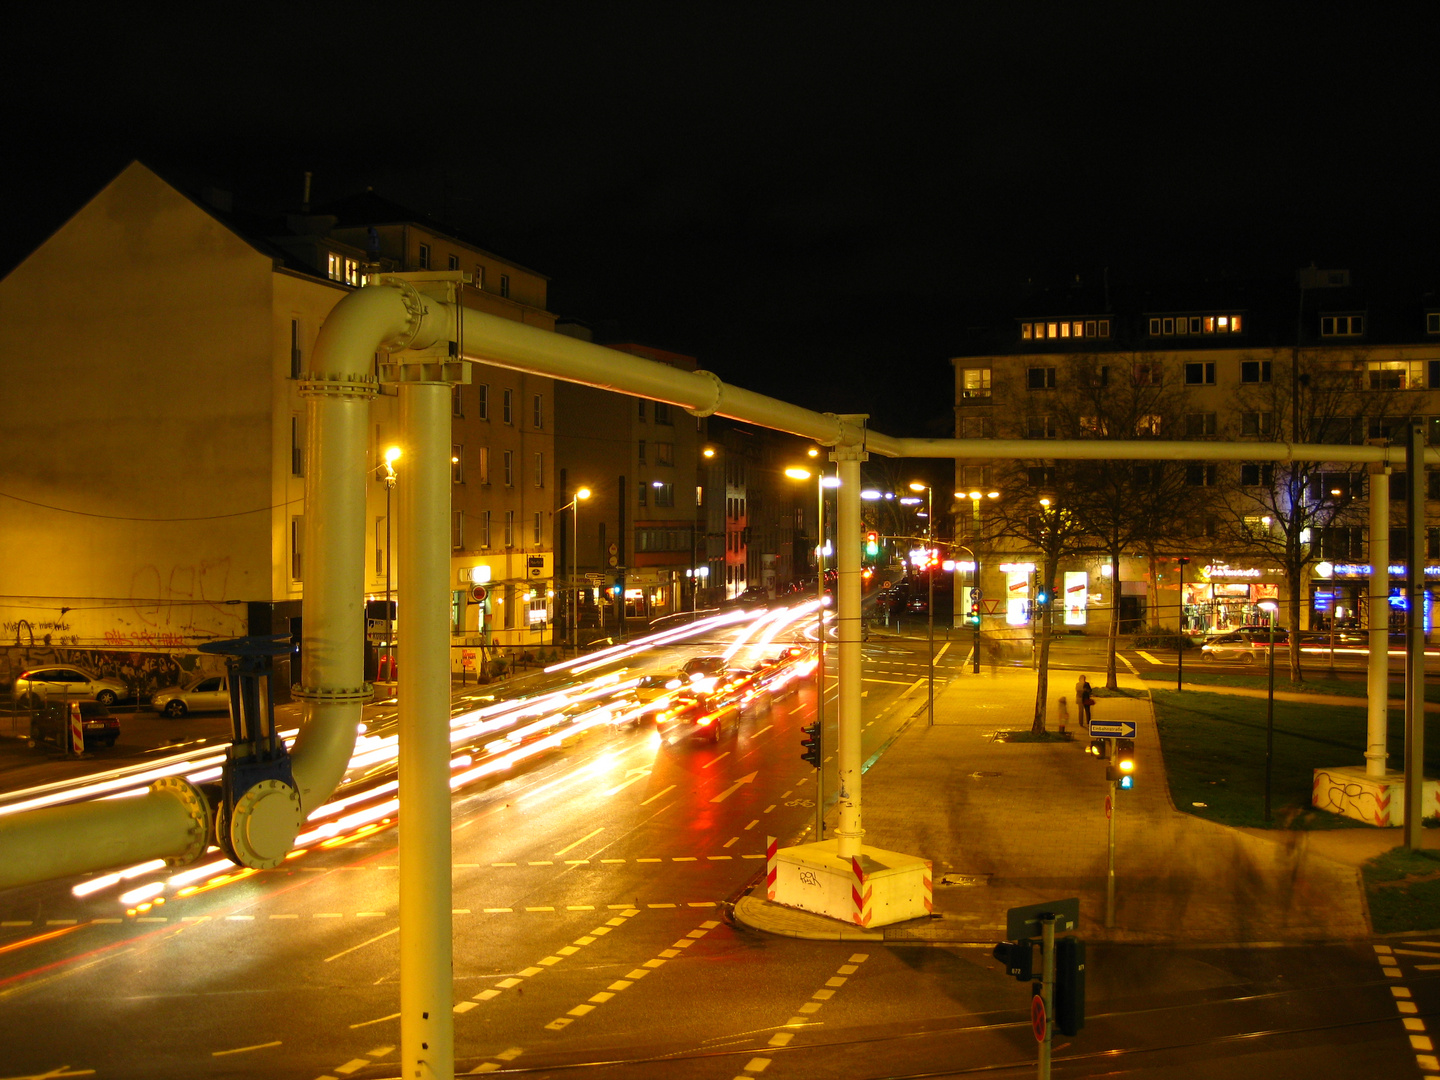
pixel 1340 593
pixel 1225 595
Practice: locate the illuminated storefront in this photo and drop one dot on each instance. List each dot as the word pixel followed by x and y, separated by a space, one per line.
pixel 1341 591
pixel 1225 595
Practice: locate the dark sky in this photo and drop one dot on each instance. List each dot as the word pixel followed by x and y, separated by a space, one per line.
pixel 817 200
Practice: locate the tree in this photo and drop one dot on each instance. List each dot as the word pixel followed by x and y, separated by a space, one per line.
pixel 1296 512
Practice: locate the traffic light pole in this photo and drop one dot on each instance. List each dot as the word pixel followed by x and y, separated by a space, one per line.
pixel 1047 989
pixel 1113 807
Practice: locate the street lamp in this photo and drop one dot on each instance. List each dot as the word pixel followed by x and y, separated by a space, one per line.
pixel 392 455
pixel 917 486
pixel 580 494
pixel 1272 609
pixel 975 497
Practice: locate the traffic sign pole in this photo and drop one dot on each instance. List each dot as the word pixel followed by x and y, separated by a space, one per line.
pixel 1112 808
pixel 1047 989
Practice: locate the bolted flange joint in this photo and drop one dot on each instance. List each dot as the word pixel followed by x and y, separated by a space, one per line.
pixel 263 826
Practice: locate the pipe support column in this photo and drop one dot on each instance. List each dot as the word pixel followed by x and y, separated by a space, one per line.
pixel 427 1034
pixel 847 594
pixel 1377 681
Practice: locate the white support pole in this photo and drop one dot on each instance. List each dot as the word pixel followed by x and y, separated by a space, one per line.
pixel 427 1033
pixel 847 595
pixel 1378 669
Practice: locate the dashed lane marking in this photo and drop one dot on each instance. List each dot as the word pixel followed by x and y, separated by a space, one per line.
pixel 244 1049
pixel 1420 1041
pixel 353 948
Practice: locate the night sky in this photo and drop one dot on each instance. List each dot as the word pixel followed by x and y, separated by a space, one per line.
pixel 816 200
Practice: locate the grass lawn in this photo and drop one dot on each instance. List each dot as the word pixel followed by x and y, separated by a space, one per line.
pixel 1246 677
pixel 1403 889
pixel 1214 748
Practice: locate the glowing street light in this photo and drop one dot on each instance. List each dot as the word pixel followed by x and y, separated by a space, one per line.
pixel 581 494
pixel 917 486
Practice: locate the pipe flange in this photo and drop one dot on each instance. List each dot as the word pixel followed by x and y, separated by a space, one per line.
pixel 338 384
pixel 264 824
pixel 198 807
pixel 414 301
pixel 719 386
pixel 327 696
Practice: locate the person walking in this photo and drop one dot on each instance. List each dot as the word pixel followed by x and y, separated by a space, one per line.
pixel 1084 700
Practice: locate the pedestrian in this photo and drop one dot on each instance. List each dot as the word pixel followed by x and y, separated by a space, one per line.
pixel 994 656
pixel 1086 700
pixel 1063 710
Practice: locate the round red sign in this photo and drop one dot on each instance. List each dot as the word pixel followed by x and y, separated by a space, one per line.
pixel 1037 1017
pixel 1109 806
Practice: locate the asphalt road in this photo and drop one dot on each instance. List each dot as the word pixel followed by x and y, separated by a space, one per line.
pixel 590 931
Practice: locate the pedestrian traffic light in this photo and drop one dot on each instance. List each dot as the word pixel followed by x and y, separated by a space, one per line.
pixel 1122 764
pixel 1069 1002
pixel 811 742
pixel 1018 958
pixel 872 543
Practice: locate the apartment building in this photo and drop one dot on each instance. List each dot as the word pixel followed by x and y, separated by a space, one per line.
pixel 1318 359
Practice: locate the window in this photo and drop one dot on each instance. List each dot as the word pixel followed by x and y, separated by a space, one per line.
pixel 297 448
pixel 424 260
pixel 335 268
pixel 485 528
pixel 1398 483
pixel 457 463
pixel 1147 374
pixel 297 552
pixel 664 453
pixel 479 276
pixel 1163 325
pixel 539 533
pixel 664 493
pixel 662 413
pixel 457 530
pixel 507 406
pixel 974 383
pixel 352 273
pixel 1200 374
pixel 1258 526
pixel 1040 378
pixel 1041 476
pixel 643 495
pixel 484 464
pixel 537 412
pixel 1342 325
pixel 978 476
pixel 1040 427
pixel 1148 426
pixel 509 528
pixel 641 450
pixel 1096 378
pixel 539 468
pixel 505 285
pixel 1200 474
pixel 1199 425
pixel 975 427
pixel 1395 374
pixel 1090 328
pixel 1335 487
pixel 1432 322
pixel 1432 480
pixel 509 464
pixel 640 406
pixel 1257 474
pixel 457 401
pixel 482 406
pixel 453 263
pixel 1342 542
pixel 297 366
pixel 1094 426
pixel 1338 430
pixel 1257 425
pixel 1254 371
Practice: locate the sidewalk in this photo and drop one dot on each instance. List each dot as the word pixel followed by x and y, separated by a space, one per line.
pixel 1012 824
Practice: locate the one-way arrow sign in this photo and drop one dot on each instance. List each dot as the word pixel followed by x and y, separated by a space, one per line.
pixel 1113 729
pixel 735 787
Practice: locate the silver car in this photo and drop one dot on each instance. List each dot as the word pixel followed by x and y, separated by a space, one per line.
pixel 60 682
pixel 1246 644
pixel 204 693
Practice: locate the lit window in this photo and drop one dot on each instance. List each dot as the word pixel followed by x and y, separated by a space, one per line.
pixel 479 276
pixel 1078 328
pixel 1052 328
pixel 1209 324
pixel 1025 331
pixel 1064 329
pixel 1149 425
pixel 335 270
pixel 1222 324
pixel 1235 324
pixel 1396 374
pixel 975 383
pixel 484 464
pixel 1039 331
pixel 352 272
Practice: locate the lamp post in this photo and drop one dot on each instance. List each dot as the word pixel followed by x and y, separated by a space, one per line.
pixel 392 455
pixel 821 483
pixel 917 487
pixel 580 494
pixel 1272 608
pixel 975 497
pixel 1180 641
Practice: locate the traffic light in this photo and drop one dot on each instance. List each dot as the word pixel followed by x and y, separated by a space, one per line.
pixel 972 618
pixel 811 742
pixel 872 543
pixel 1018 958
pixel 1069 1003
pixel 1042 598
pixel 1122 764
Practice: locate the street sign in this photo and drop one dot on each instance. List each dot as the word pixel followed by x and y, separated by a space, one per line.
pixel 478 593
pixel 1112 729
pixel 1109 807
pixel 975 593
pixel 1022 922
pixel 1037 1017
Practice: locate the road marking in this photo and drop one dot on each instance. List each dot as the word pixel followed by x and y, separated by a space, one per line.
pixel 720 858
pixel 941 653
pixel 767 810
pixel 1147 656
pixel 577 843
pixel 756 734
pixel 238 1049
pixel 757 1065
pixel 891 682
pixel 380 1051
pixel 652 798
pixel 712 761
pixel 913 687
pixel 635 775
pixel 463 1006
pixel 731 841
pixel 542 862
pixel 379 1020
pixel 752 824
pixel 649 860
pixel 749 779
pixel 612 860
pixel 377 937
pixel 274 916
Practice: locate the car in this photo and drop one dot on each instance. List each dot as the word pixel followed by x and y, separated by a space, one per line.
pixel 691 715
pixel 203 693
pixel 703 667
pixel 58 682
pixel 51 724
pixel 1242 644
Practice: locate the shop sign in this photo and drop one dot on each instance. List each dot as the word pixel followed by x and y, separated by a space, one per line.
pixel 1346 570
pixel 1077 585
pixel 1224 570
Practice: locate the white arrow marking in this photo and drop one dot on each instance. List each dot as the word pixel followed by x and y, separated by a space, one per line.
pixel 634 775
pixel 735 787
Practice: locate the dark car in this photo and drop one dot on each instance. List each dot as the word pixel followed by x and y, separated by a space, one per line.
pixel 51 724
pixel 704 666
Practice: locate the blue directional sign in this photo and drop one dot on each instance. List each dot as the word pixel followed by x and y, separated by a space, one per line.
pixel 1112 729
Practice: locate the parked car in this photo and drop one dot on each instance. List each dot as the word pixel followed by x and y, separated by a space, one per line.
pixel 51 724
pixel 204 693
pixel 58 682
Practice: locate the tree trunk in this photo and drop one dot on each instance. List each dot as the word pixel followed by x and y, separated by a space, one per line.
pixel 1293 605
pixel 1042 628
pixel 1111 679
pixel 1153 592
